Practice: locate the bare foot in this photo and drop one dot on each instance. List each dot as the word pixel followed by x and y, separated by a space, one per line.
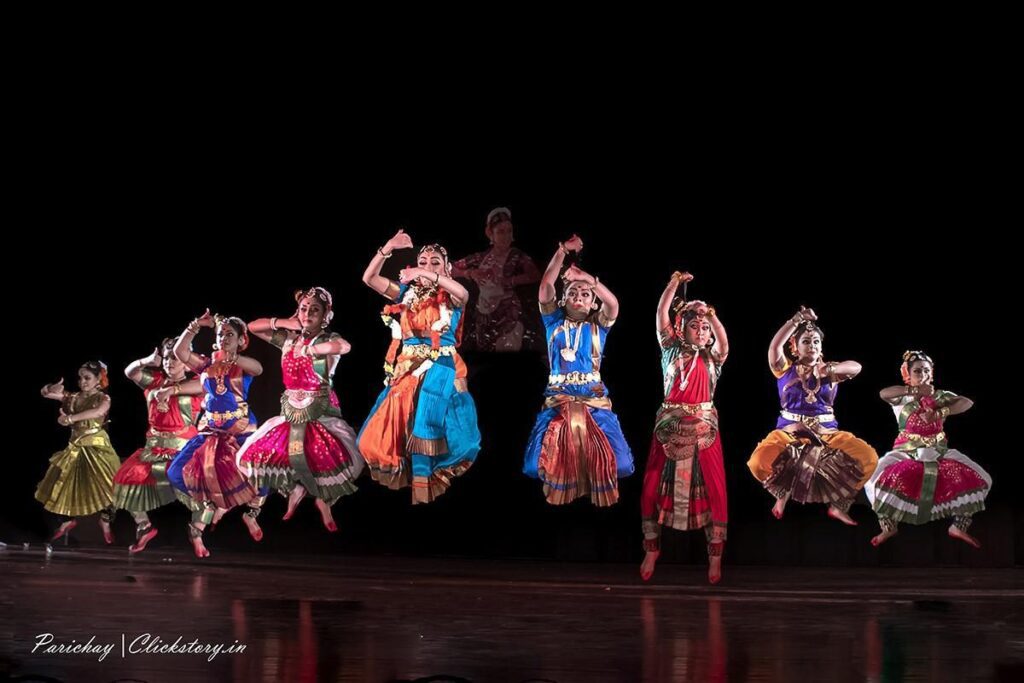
pixel 647 566
pixel 64 528
pixel 836 513
pixel 714 569
pixel 326 515
pixel 883 537
pixel 964 536
pixel 107 535
pixel 140 544
pixel 199 547
pixel 298 493
pixel 254 527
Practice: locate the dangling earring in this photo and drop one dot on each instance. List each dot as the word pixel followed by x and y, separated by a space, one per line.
pixel 323 325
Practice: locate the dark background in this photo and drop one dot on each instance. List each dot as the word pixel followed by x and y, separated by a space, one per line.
pixel 894 242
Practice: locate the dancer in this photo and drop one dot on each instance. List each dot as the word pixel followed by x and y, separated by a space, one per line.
pixel 498 321
pixel 807 458
pixel 422 431
pixel 206 468
pixel 576 447
pixel 684 481
pixel 308 448
pixel 922 479
pixel 80 479
pixel 173 405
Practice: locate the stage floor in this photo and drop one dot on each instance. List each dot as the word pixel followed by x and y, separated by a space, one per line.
pixel 329 618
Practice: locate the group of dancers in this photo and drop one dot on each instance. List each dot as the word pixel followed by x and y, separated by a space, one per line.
pixel 204 448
